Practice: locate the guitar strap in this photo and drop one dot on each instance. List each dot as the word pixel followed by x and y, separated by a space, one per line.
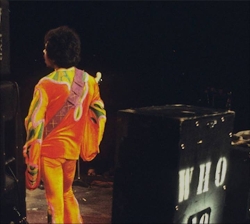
pixel 72 101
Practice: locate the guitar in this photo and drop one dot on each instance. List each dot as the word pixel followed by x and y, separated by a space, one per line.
pixel 98 77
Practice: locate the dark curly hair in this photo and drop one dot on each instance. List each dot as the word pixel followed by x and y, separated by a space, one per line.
pixel 63 46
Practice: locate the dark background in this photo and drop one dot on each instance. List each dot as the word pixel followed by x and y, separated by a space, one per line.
pixel 149 52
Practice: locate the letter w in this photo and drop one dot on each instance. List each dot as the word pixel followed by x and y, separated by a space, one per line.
pixel 185 177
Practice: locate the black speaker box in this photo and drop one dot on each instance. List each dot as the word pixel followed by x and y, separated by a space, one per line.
pixel 237 205
pixel 171 164
pixel 12 167
pixel 4 39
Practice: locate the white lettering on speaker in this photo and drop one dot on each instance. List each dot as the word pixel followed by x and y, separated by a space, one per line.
pixel 201 217
pixel 204 178
pixel 207 172
pixel 194 220
pixel 221 170
pixel 204 219
pixel 185 177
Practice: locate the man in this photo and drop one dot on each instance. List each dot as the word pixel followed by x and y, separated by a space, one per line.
pixel 56 138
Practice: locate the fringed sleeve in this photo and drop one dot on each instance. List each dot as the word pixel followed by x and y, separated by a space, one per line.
pixel 94 127
pixel 34 125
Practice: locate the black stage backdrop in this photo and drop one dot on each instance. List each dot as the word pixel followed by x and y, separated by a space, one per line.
pixel 149 52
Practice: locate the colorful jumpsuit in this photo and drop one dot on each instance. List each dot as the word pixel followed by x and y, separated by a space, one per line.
pixel 53 158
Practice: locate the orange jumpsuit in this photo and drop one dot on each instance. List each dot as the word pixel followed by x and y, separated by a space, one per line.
pixel 53 158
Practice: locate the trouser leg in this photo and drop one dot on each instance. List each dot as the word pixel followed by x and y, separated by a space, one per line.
pixel 52 175
pixel 71 206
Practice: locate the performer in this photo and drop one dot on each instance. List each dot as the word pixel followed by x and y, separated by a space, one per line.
pixel 53 145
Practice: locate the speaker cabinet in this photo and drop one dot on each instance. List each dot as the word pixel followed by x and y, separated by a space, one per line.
pixel 171 164
pixel 4 39
pixel 12 167
pixel 237 206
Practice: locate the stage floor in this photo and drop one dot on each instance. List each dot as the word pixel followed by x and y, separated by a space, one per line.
pixel 94 198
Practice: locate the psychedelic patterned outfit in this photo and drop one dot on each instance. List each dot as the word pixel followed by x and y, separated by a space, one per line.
pixel 54 157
